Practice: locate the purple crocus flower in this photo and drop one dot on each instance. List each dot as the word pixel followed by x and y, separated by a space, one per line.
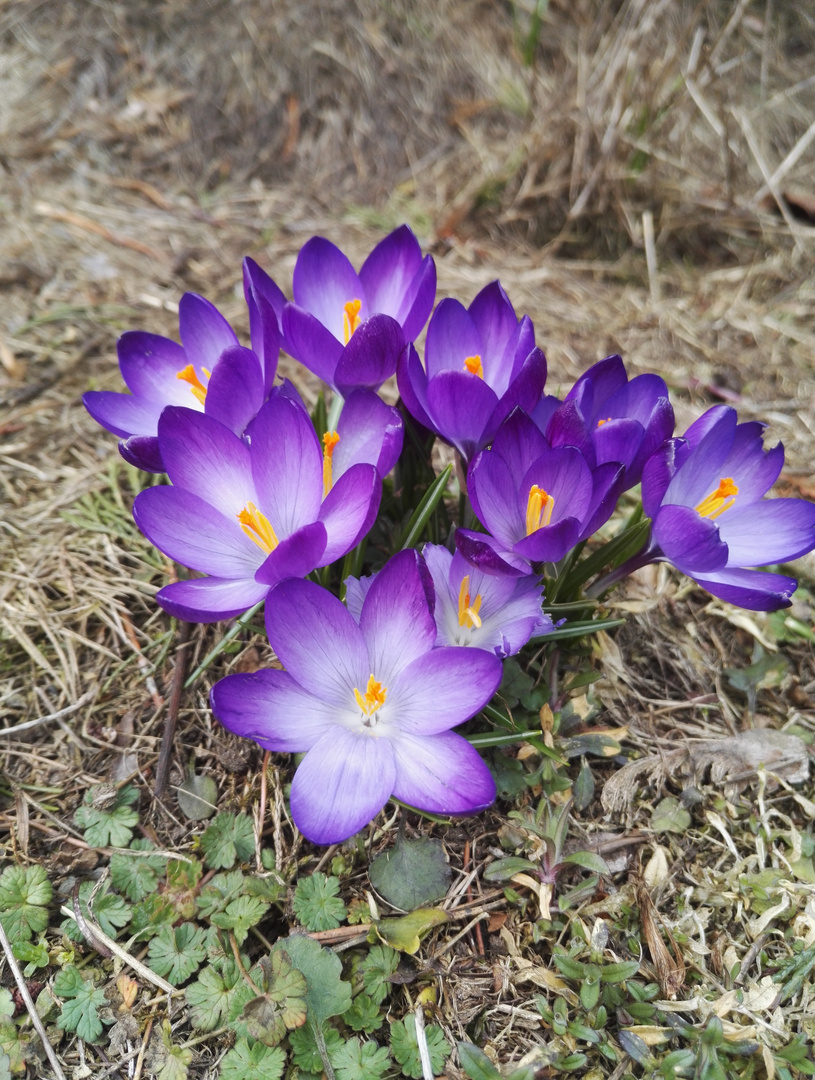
pixel 369 431
pixel 609 418
pixel 249 515
pixel 372 703
pixel 481 363
pixel 535 500
pixel 350 328
pixel 209 372
pixel 705 496
pixel 485 611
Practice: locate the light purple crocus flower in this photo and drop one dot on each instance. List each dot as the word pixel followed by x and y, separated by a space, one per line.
pixel 481 361
pixel 209 372
pixel 350 328
pixel 705 496
pixel 372 703
pixel 368 430
pixel 609 418
pixel 535 500
pixel 249 515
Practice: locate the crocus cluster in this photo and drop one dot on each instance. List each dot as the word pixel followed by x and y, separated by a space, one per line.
pixel 267 503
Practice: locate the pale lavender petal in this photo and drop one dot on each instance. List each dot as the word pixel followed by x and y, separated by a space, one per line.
pixel 371 356
pixel 370 432
pixel 342 783
pixel 389 272
pixel 356 589
pixel 203 456
pixel 123 414
pixel 191 531
pixel 235 390
pixel 210 599
pixel 317 641
pixel 451 338
pixel 205 333
pixel 753 468
pixel 689 541
pixel 442 774
pixel 349 510
pixel 397 616
pixel 751 589
pixel 150 365
pixel 769 531
pixel 324 282
pixel 143 452
pixel 295 556
pixel 412 382
pixel 287 465
pixel 308 341
pixel 443 688
pixel 461 405
pixel 271 708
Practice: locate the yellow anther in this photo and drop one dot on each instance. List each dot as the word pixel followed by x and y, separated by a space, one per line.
pixel 467 609
pixel 719 500
pixel 375 694
pixel 601 422
pixel 330 440
pixel 190 376
pixel 474 366
pixel 258 528
pixel 350 318
pixel 539 509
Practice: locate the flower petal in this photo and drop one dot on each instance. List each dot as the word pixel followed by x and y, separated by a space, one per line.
pixel 523 392
pixel 451 337
pixel 496 322
pixel 420 299
pixel 550 543
pixel 342 783
pixel 205 333
pixel 349 510
pixel 688 540
pixel 486 553
pixel 323 283
pixel 295 556
pixel 397 616
pixel 235 390
pixel 494 497
pixel 371 356
pixel 443 687
pixel 751 589
pixel 461 405
pixel 287 465
pixel 123 414
pixel 150 365
pixel 768 531
pixel 370 432
pixel 271 708
pixel 210 599
pixel 308 341
pixel 412 382
pixel 391 275
pixel 142 451
pixel 442 774
pixel 317 641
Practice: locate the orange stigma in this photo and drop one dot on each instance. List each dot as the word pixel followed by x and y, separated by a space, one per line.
pixel 258 528
pixel 474 366
pixel 375 694
pixel 350 318
pixel 330 440
pixel 719 500
pixel 467 609
pixel 539 509
pixel 197 388
pixel 601 422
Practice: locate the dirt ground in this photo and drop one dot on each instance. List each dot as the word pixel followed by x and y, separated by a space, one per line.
pixel 637 174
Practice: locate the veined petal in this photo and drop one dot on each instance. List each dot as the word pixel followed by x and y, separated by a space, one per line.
pixel 123 414
pixel 210 599
pixel 700 428
pixel 308 341
pixel 205 333
pixel 768 531
pixel 451 337
pixel 443 688
pixel 317 641
pixel 191 531
pixel 599 383
pixel 496 322
pixel 349 510
pixel 550 543
pixel 371 356
pixel 751 589
pixel 688 540
pixel 150 364
pixel 754 469
pixel 323 283
pixel 442 774
pixel 203 456
pixel 342 783
pixel 397 616
pixel 370 432
pixel 271 708
pixel 295 555
pixel 702 468
pixel 494 497
pixel 235 390
pixel 287 465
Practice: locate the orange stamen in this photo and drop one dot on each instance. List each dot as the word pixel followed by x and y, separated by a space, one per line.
pixel 719 500
pixel 258 528
pixel 375 694
pixel 330 440
pixel 350 318
pixel 474 366
pixel 539 509
pixel 601 422
pixel 190 376
pixel 467 609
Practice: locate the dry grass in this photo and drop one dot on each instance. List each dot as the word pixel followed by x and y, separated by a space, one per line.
pixel 147 147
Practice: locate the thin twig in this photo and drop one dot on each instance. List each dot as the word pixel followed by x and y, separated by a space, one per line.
pixel 51 716
pixel 131 961
pixel 421 1039
pixel 29 1004
pixel 168 737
